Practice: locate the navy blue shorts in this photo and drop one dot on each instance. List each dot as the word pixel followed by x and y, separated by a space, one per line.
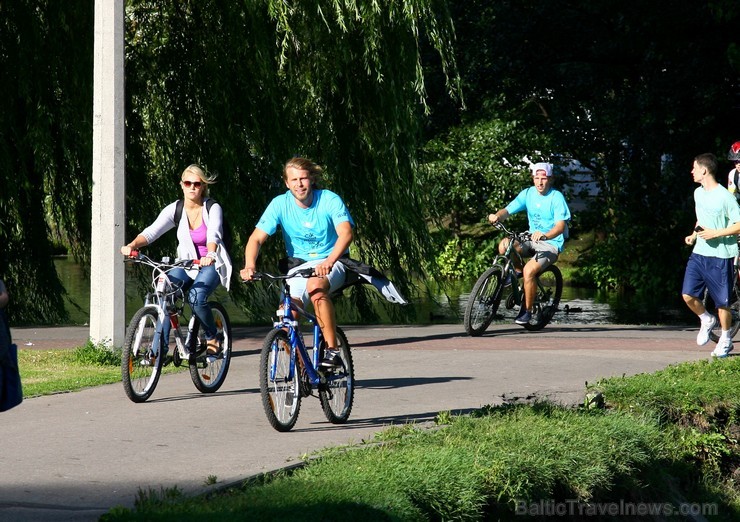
pixel 711 273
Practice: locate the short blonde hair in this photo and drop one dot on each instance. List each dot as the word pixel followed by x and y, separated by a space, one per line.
pixel 297 162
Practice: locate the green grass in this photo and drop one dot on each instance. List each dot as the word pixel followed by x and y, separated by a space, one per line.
pixel 479 467
pixel 702 393
pixel 45 372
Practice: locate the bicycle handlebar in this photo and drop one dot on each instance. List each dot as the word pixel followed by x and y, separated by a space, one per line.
pixel 519 236
pixel 137 257
pixel 258 276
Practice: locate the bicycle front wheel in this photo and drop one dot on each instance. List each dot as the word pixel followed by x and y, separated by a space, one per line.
pixel 279 382
pixel 483 301
pixel 338 392
pixel 549 291
pixel 141 361
pixel 734 311
pixel 209 375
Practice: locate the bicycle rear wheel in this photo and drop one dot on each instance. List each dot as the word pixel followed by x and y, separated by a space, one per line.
pixel 208 377
pixel 483 301
pixel 141 361
pixel 337 394
pixel 279 386
pixel 549 291
pixel 734 310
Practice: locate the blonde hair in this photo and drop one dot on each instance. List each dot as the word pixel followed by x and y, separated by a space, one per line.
pixel 207 179
pixel 297 162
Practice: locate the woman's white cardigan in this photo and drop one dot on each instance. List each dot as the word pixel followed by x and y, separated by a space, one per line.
pixel 213 219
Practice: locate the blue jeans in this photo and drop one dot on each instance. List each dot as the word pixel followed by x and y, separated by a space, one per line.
pixel 198 291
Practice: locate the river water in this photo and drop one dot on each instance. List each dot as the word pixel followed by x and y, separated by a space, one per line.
pixel 578 305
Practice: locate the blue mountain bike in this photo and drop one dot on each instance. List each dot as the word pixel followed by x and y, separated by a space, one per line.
pixel 289 368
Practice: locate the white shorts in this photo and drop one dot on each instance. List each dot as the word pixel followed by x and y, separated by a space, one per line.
pixel 298 284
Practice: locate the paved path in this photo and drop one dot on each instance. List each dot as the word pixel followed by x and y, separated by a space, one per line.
pixel 72 456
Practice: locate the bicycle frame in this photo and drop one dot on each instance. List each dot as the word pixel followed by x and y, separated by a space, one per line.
pixel 507 261
pixel 295 335
pixel 165 299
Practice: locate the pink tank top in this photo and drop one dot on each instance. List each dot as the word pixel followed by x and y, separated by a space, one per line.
pixel 198 236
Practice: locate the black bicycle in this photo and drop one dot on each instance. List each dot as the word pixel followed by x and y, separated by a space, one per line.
pixel 501 283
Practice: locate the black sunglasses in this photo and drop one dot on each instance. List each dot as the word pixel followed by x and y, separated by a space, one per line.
pixel 188 183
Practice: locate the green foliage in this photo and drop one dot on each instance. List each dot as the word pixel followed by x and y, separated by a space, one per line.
pixel 340 82
pixel 242 86
pixel 465 259
pixel 702 397
pixel 710 450
pixel 97 354
pixel 45 149
pixel 472 469
pixel 478 167
pixel 54 371
pixel 635 121
pixel 45 372
pixel 238 87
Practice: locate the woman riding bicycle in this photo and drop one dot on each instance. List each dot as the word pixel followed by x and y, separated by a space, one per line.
pixel 200 236
pixel 548 214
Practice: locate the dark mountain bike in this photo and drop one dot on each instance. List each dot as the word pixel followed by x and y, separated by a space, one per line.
pixel 492 288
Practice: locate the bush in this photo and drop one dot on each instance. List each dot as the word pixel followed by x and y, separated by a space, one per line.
pixel 97 354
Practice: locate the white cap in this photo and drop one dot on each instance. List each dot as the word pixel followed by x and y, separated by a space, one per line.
pixel 547 167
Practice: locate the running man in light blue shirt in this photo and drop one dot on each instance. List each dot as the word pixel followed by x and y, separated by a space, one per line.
pixel 548 216
pixel 317 229
pixel 711 264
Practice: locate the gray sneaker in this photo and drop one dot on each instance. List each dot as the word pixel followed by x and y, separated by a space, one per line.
pixel 706 327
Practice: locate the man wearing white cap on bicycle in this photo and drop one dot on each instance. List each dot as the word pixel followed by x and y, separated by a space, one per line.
pixel 548 215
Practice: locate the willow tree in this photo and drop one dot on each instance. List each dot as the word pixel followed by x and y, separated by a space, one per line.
pixel 239 86
pixel 242 86
pixel 45 148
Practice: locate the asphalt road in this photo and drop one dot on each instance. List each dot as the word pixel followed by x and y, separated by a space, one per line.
pixel 73 456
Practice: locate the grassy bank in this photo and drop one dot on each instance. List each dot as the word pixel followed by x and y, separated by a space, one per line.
pixel 650 447
pixel 44 372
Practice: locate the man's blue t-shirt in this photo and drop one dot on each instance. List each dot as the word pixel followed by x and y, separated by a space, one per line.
pixel 542 212
pixel 309 233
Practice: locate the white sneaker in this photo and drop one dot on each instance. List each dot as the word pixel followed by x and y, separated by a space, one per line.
pixel 703 337
pixel 723 349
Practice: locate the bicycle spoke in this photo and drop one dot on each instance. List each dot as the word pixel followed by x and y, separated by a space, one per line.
pixel 483 301
pixel 279 383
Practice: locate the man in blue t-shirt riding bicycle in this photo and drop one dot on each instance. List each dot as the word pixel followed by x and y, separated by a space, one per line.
pixel 548 215
pixel 317 229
